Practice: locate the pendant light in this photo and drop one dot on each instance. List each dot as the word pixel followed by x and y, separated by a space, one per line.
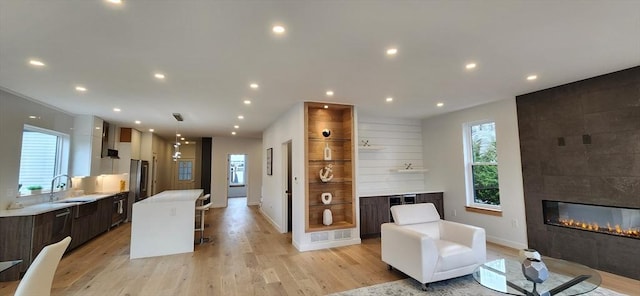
pixel 176 145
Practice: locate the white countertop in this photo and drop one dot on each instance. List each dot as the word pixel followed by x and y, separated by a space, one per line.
pixel 173 195
pixel 56 205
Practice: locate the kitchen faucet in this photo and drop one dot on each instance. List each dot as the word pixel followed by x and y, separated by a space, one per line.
pixel 69 185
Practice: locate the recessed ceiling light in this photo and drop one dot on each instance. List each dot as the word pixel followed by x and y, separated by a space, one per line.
pixel 138 122
pixel 33 117
pixel 247 102
pixel 151 130
pixel 470 66
pixel 181 139
pixel 240 117
pixel 116 110
pixel 178 135
pixel 392 51
pixel 159 75
pixel 440 104
pixel 186 142
pixel 326 106
pixel 236 126
pixel 36 63
pixel 329 93
pixel 532 77
pixel 97 127
pixel 389 99
pixel 278 29
pixel 233 133
pixel 254 85
pixel 115 1
pixel 81 88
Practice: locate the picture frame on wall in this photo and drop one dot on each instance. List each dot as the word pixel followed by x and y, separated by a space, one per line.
pixel 270 161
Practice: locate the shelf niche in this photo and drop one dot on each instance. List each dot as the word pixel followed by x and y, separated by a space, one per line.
pixel 339 120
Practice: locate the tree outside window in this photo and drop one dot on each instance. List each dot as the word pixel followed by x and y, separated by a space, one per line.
pixel 482 168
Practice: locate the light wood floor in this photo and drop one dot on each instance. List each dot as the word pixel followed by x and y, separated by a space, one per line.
pixel 246 256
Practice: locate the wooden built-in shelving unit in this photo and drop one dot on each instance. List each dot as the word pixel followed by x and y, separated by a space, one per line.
pixel 339 120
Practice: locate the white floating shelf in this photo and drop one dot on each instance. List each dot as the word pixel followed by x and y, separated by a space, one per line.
pixel 405 171
pixel 370 148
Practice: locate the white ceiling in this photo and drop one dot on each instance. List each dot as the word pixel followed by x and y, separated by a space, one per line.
pixel 211 50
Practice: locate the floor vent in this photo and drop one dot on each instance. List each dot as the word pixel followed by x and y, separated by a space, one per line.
pixel 342 234
pixel 319 236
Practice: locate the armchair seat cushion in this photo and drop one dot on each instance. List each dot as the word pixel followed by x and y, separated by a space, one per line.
pixel 452 255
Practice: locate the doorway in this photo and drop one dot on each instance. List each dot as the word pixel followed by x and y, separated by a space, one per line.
pixel 237 176
pixel 287 184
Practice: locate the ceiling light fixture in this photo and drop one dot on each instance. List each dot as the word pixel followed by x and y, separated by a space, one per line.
pixel 278 29
pixel 233 133
pixel 330 93
pixel 186 142
pixel 247 102
pixel 326 106
pixel 389 99
pixel 236 126
pixel 159 75
pixel 470 66
pixel 151 130
pixel 181 139
pixel 254 85
pixel 36 63
pixel 440 104
pixel 33 117
pixel 532 77
pixel 116 110
pixel 392 51
pixel 115 1
pixel 137 122
pixel 240 117
pixel 81 88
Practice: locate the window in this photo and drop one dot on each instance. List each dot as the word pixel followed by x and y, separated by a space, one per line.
pixel 481 169
pixel 44 155
pixel 185 170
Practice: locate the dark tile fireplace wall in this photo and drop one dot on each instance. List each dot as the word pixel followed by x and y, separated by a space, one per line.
pixel 580 143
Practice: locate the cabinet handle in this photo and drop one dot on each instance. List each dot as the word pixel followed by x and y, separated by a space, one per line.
pixel 63 214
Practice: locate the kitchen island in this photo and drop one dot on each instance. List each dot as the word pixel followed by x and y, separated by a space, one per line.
pixel 163 224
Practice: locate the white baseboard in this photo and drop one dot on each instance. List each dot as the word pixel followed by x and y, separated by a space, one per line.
pixel 506 243
pixel 327 244
pixel 275 225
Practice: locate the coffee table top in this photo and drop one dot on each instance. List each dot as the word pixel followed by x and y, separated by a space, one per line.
pixel 565 278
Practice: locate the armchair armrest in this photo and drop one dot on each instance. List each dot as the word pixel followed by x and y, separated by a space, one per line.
pixel 409 251
pixel 468 235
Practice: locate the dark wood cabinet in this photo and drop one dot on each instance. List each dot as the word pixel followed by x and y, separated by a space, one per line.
pixel 23 237
pixel 374 210
pixel 436 198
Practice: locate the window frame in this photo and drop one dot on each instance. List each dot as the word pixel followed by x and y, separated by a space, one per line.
pixel 61 165
pixel 469 163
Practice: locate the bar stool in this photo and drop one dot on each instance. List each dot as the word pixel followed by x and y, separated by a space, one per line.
pixel 202 199
pixel 202 209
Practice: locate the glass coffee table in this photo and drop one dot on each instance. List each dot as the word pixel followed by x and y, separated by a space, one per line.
pixel 565 278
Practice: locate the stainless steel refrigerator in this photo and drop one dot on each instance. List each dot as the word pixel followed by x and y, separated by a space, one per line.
pixel 138 183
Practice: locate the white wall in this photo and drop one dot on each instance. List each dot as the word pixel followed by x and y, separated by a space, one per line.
pixel 221 148
pixel 14 114
pixel 444 156
pixel 400 142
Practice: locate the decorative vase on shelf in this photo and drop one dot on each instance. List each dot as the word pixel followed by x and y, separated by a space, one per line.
pixel 327 217
pixel 326 198
pixel 327 152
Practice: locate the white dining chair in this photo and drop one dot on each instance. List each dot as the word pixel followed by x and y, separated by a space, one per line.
pixel 39 276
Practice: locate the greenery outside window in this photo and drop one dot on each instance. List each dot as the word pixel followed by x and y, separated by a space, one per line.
pixel 44 154
pixel 481 165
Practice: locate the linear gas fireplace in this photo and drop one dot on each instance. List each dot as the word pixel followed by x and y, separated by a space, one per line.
pixel 601 219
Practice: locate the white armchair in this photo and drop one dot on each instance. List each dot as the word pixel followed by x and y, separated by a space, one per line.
pixel 428 249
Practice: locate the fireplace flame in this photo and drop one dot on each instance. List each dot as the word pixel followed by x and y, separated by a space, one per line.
pixel 612 229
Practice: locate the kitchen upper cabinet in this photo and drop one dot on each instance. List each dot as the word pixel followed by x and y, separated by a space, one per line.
pixel 86 146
